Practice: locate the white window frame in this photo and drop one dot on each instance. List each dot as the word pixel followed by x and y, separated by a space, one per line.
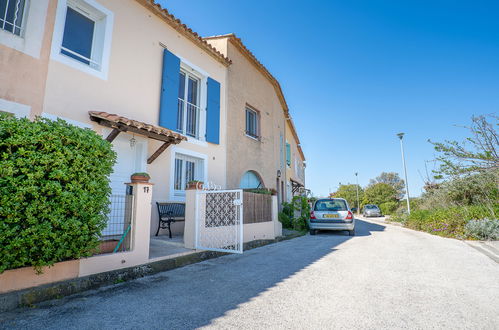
pixel 179 195
pixel 192 74
pixel 31 38
pixel 257 128
pixel 102 38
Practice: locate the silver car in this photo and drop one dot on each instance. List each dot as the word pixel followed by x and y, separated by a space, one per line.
pixel 331 214
pixel 371 210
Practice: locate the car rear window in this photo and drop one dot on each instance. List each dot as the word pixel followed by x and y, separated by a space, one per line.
pixel 372 207
pixel 330 205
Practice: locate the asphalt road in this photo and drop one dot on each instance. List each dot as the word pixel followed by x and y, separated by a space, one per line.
pixel 385 277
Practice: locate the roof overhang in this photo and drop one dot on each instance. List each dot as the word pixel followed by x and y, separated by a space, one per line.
pixel 184 30
pixel 121 124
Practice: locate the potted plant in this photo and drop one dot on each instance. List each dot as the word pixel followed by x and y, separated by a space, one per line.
pixel 195 184
pixel 140 177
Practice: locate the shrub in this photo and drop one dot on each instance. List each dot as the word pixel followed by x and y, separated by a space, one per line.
pixel 486 229
pixel 54 191
pixel 286 220
pixel 388 207
pixel 448 222
pixel 294 215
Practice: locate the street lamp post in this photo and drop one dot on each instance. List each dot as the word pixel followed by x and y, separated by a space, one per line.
pixel 357 180
pixel 401 136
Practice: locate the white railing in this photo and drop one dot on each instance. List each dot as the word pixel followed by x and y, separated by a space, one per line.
pixel 188 118
pixel 94 63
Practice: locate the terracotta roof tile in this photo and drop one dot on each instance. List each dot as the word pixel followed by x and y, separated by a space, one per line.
pixel 114 120
pixel 183 29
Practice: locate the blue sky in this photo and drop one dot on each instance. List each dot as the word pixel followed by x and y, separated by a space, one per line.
pixel 356 72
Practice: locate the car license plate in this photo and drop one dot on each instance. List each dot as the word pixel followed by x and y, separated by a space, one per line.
pixel 332 216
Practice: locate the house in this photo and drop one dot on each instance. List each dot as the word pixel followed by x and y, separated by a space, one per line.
pixel 295 163
pixel 174 105
pixel 158 92
pixel 257 118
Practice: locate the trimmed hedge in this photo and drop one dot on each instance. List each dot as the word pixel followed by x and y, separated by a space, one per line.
pixel 54 191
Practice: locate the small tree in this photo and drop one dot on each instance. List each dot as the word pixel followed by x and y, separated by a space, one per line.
pixel 379 193
pixel 477 153
pixel 392 179
pixel 349 192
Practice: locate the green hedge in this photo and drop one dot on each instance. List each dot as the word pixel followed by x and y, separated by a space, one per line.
pixel 449 222
pixel 54 191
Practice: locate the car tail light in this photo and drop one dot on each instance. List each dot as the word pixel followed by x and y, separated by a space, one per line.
pixel 312 215
pixel 349 216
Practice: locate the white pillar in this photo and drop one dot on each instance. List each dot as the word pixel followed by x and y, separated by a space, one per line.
pixel 190 219
pixel 141 218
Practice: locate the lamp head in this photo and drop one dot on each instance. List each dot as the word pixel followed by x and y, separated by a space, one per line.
pixel 400 135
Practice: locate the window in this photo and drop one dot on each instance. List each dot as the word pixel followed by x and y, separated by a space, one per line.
pixel 252 123
pixel 78 37
pixel 251 180
pixel 188 114
pixel 11 15
pixel 330 205
pixel 82 36
pixel 187 169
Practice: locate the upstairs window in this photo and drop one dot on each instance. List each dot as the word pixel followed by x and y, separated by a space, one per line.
pixel 189 111
pixel 82 36
pixel 252 123
pixel 12 15
pixel 78 36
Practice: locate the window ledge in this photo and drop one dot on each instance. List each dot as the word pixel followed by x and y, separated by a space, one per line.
pixel 197 141
pixel 253 138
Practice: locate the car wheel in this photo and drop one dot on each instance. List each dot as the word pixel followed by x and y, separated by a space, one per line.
pixel 313 231
pixel 351 232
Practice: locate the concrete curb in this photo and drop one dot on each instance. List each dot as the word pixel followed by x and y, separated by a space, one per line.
pixel 57 290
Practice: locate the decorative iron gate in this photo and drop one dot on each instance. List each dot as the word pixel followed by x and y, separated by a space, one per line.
pixel 219 220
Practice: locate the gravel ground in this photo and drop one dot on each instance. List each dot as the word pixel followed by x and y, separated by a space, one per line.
pixel 385 277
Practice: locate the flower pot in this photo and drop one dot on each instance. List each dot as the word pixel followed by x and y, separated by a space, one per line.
pixel 198 185
pixel 139 178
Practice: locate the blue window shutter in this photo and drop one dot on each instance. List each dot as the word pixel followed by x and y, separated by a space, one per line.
pixel 288 154
pixel 213 112
pixel 168 107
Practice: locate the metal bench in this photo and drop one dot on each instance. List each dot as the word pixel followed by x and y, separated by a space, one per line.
pixel 168 214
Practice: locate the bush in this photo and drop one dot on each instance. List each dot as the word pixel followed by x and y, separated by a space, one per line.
pixel 54 191
pixel 286 220
pixel 449 222
pixel 388 207
pixel 483 229
pixel 289 218
pixel 476 189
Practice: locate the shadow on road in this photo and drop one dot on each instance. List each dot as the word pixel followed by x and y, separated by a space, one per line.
pixel 193 296
pixel 362 228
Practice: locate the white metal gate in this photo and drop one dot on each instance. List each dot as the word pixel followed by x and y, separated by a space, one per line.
pixel 219 220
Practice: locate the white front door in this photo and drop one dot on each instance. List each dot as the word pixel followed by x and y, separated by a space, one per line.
pixel 131 158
